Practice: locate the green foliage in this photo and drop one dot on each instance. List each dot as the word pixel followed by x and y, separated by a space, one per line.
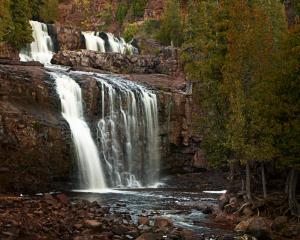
pixel 21 33
pixel 288 105
pixel 203 56
pixel 138 8
pixel 130 31
pixel 107 16
pixel 230 53
pixel 5 20
pixel 44 10
pixel 121 13
pixel 171 29
pixel 151 26
pixel 49 11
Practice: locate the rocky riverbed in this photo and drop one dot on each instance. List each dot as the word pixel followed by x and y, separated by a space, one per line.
pixel 61 216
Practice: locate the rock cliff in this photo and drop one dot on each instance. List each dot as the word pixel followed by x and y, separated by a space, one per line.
pixel 34 139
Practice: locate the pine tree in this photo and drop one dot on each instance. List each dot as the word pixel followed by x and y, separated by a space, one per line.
pixel 288 113
pixel 171 24
pixel 204 50
pixel 247 83
pixel 48 11
pixel 5 19
pixel 21 33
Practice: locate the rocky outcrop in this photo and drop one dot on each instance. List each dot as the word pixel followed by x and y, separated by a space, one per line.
pixel 68 38
pixel 162 63
pixel 34 139
pixel 8 52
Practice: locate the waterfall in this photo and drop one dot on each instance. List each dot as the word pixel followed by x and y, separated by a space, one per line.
pixel 90 170
pixel 107 42
pixel 93 42
pixel 128 132
pixel 41 49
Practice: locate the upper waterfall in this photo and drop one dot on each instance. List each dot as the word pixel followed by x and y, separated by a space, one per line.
pixel 41 49
pixel 90 170
pixel 107 42
pixel 93 42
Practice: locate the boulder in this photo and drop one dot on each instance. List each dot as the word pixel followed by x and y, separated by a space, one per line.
pixel 144 221
pixel 163 222
pixel 92 223
pixel 257 226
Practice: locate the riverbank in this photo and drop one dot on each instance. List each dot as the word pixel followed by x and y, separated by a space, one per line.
pixel 61 216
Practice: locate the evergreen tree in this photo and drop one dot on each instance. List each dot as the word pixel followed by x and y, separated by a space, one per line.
pixel 5 19
pixel 247 83
pixel 288 113
pixel 204 50
pixel 48 11
pixel 171 24
pixel 21 33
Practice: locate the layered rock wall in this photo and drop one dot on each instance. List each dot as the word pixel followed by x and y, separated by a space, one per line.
pixel 34 139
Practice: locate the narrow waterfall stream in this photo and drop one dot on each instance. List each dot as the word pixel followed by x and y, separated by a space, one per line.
pixel 41 49
pixel 90 170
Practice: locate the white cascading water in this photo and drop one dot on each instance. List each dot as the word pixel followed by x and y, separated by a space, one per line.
pixel 128 132
pixel 90 170
pixel 94 42
pixel 119 45
pixel 41 49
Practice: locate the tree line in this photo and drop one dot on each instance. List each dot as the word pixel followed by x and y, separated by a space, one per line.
pixel 243 57
pixel 15 15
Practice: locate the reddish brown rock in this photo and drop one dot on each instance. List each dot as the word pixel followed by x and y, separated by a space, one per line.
pixel 163 222
pixel 34 138
pixel 8 52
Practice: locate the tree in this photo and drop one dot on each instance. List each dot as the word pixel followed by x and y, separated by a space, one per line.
pixel 5 19
pixel 288 113
pixel 204 50
pixel 48 11
pixel 171 24
pixel 21 33
pixel 247 83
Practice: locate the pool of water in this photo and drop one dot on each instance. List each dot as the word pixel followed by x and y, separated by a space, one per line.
pixel 183 206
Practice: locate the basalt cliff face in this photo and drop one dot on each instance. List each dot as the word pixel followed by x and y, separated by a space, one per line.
pixel 34 140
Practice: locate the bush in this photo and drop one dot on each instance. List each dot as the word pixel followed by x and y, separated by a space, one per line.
pixel 130 31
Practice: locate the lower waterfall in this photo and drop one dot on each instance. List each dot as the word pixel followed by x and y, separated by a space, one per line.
pixel 128 132
pixel 90 171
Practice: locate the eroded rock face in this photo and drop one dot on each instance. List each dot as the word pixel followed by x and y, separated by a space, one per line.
pixel 34 139
pixel 8 52
pixel 119 63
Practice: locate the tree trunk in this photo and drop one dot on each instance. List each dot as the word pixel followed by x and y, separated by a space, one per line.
pixel 290 13
pixel 248 182
pixel 292 186
pixel 264 185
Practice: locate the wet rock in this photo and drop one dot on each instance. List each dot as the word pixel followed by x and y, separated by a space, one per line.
pixel 144 221
pixel 92 223
pixel 257 226
pixel 163 222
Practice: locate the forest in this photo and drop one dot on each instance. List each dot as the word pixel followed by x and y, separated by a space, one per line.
pixel 242 59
